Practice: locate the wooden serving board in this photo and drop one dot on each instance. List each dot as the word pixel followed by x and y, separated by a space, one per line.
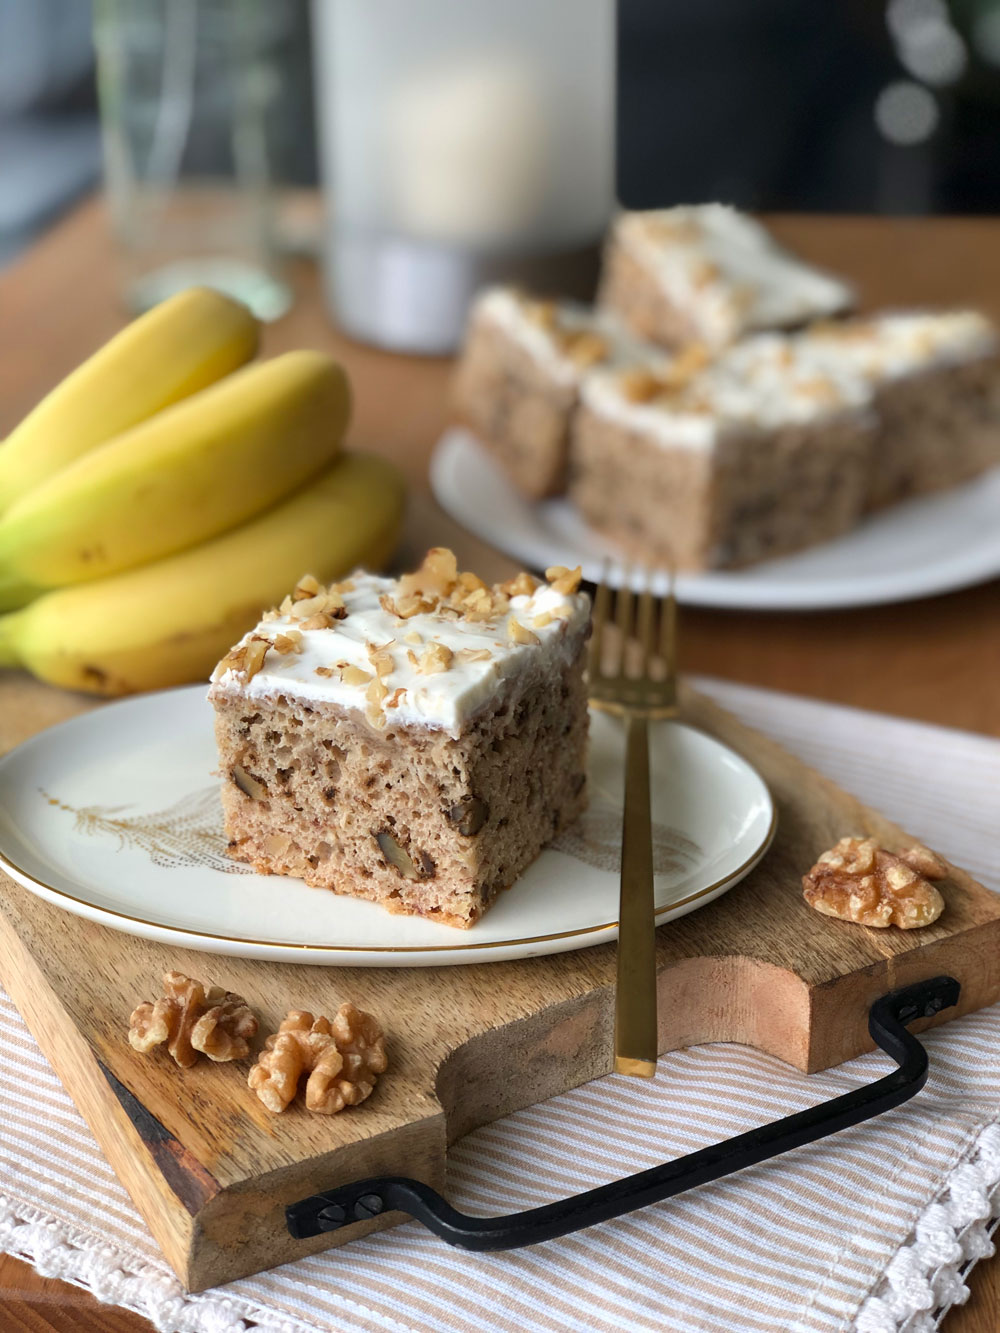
pixel 212 1171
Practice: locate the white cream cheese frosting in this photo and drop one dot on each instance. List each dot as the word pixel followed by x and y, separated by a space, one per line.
pixel 438 668
pixel 900 342
pixel 546 329
pixel 763 383
pixel 726 273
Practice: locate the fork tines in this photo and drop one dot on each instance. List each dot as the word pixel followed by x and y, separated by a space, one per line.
pixel 634 635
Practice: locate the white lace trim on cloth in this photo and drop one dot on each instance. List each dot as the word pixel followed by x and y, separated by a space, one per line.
pixel 26 1233
pixel 926 1276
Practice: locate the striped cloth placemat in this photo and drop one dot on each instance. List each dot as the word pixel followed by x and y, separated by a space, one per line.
pixel 870 1230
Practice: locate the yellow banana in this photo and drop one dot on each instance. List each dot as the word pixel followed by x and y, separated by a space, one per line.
pixel 170 622
pixel 177 348
pixel 192 471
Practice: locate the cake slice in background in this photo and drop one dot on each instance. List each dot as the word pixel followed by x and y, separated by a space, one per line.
pixel 708 274
pixel 936 377
pixel 756 455
pixel 415 741
pixel 518 380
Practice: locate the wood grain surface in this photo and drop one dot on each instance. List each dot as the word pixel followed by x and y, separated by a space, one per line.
pixel 938 659
pixel 212 1171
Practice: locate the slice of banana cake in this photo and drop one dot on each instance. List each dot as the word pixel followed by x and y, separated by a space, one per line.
pixel 936 378
pixel 415 741
pixel 518 380
pixel 708 274
pixel 754 456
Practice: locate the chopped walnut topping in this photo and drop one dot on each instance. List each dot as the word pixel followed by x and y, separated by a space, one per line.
pixel 256 652
pixel 563 580
pixel 584 347
pixel 303 607
pixel 393 701
pixel 435 657
pixel 521 585
pixel 703 272
pixel 474 654
pixel 857 880
pixel 540 621
pixel 688 363
pixel 820 388
pixel 354 675
pixel 307 586
pixel 641 386
pixel 248 658
pixel 323 604
pixel 517 632
pixel 411 657
pixel 345 585
pixel 543 313
pixel 190 1018
pixel 478 604
pixel 288 643
pixel 436 577
pixel 404 607
pixel 374 697
pixel 325 671
pixel 343 1059
pixel 438 587
pixel 381 660
pixel 413 637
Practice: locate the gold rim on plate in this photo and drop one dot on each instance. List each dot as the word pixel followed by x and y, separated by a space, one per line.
pixel 7 864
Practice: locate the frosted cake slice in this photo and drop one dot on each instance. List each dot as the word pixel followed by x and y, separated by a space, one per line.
pixel 518 380
pixel 753 456
pixel 708 274
pixel 415 741
pixel 936 378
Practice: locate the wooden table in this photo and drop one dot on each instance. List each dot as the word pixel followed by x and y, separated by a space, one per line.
pixel 937 660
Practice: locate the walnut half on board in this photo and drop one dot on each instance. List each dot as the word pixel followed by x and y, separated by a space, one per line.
pixel 190 1018
pixel 342 1059
pixel 857 880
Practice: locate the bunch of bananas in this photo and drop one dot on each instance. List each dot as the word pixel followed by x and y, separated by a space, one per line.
pixel 167 491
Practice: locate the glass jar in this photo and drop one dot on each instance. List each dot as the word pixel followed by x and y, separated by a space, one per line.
pixel 461 141
pixel 184 89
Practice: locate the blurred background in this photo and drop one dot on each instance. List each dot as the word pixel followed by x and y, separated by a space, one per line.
pixel 799 105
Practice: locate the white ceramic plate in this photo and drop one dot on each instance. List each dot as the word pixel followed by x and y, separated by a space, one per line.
pixel 915 549
pixel 115 816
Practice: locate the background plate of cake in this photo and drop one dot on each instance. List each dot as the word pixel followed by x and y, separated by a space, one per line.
pixel 721 410
pixel 406 778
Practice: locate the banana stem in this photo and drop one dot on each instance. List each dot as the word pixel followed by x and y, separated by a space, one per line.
pixel 9 656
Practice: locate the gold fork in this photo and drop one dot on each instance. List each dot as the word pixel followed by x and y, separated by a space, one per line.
pixel 626 685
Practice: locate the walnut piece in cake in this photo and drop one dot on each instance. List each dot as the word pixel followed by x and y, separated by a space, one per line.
pixel 190 1018
pixel 857 880
pixel 343 1059
pixel 345 761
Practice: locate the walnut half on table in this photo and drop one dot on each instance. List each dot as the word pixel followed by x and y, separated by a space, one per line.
pixel 857 880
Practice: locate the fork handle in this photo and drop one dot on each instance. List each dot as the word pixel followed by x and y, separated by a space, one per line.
pixel 635 996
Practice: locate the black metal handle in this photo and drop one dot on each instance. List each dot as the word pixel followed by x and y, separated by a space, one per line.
pixel 886 1019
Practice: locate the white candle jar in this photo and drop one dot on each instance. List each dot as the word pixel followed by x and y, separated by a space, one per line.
pixel 462 141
